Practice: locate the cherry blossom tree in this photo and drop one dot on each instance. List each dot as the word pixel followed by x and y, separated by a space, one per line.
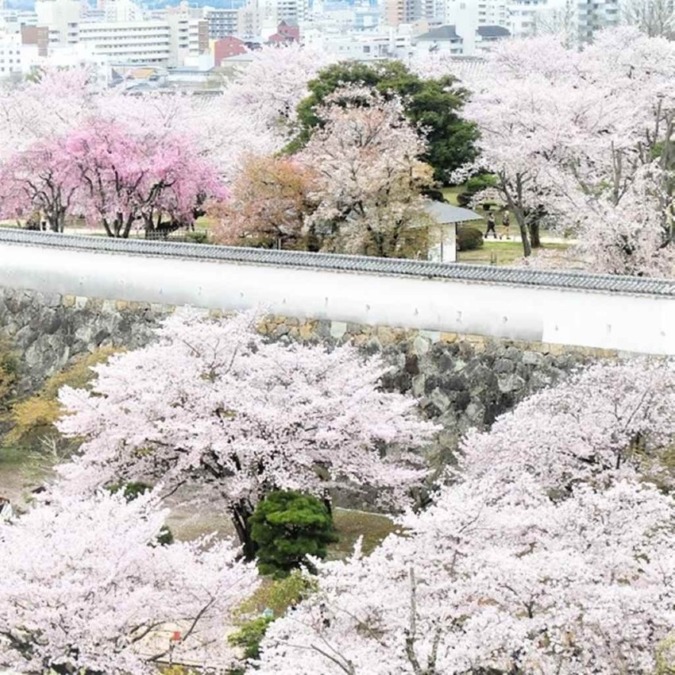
pixel 581 586
pixel 656 18
pixel 547 550
pixel 123 177
pixel 215 402
pixel 46 108
pixel 38 181
pixel 610 418
pixel 586 135
pixel 367 158
pixel 270 199
pixel 267 92
pixel 87 589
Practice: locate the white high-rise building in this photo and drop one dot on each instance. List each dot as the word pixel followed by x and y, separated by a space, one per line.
pixel 165 42
pixel 593 15
pixel 61 17
pixel 16 59
pixel 122 10
pixel 577 20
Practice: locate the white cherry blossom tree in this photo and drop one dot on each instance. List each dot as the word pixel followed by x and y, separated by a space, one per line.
pixel 86 588
pixel 546 552
pixel 215 402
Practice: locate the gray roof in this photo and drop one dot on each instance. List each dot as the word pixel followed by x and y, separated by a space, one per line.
pixel 493 31
pixel 439 34
pixel 490 274
pixel 443 212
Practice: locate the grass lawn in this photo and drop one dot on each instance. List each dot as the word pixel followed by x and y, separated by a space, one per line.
pixel 351 525
pixel 450 193
pixel 500 252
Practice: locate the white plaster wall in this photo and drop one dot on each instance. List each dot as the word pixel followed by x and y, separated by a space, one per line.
pixel 627 323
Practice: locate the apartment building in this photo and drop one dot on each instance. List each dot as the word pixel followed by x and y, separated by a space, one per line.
pixel 16 58
pixel 222 22
pixel 593 15
pixel 146 42
pixel 61 17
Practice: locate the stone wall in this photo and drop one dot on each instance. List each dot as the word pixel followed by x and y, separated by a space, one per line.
pixel 48 331
pixel 460 380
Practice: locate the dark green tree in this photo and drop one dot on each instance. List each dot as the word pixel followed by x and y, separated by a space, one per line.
pixel 288 526
pixel 432 105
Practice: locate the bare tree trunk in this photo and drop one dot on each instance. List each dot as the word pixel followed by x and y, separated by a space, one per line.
pixel 241 514
pixel 533 230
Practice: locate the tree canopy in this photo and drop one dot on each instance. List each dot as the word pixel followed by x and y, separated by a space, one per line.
pixel 431 105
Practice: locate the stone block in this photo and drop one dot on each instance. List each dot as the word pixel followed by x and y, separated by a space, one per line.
pixel 504 366
pixel 307 330
pixel 418 385
pixel 337 329
pixel 421 345
pixel 531 358
pixel 510 383
pixel 440 400
pixel 387 335
pixel 431 335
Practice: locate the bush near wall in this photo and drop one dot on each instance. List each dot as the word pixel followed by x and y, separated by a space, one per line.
pixel 469 239
pixel 33 419
pixel 9 369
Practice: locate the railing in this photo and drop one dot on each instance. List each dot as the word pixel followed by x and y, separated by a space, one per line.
pixel 487 274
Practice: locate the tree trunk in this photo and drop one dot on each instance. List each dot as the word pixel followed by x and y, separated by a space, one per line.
pixel 241 514
pixel 524 233
pixel 533 228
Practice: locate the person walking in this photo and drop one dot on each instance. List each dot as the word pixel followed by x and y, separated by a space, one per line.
pixel 506 222
pixel 491 227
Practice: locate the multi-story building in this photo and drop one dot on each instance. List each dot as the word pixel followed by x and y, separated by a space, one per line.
pixel 259 19
pixel 122 10
pixel 146 42
pixel 61 17
pixel 188 37
pixel 593 15
pixel 16 58
pixel 222 22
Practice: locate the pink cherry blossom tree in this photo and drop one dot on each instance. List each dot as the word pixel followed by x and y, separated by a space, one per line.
pixel 370 176
pixel 547 550
pixel 87 589
pixel 125 177
pixel 37 181
pixel 215 402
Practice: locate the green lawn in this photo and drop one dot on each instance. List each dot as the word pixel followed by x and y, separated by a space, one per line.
pixel 500 252
pixel 351 525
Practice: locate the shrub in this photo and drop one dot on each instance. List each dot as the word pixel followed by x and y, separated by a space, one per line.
pixel 9 369
pixel 287 527
pixel 34 418
pixel 270 601
pixel 469 239
pixel 198 237
pixel 250 635
pixel 277 595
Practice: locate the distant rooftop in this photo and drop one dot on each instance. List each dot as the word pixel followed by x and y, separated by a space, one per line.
pixel 440 33
pixel 493 31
